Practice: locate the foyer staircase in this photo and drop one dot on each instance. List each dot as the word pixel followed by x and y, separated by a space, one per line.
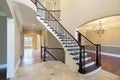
pixel 80 52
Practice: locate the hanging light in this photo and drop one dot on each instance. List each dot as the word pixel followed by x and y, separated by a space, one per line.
pixel 100 29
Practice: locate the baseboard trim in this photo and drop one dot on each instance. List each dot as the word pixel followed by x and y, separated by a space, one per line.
pixel 17 65
pixel 3 66
pixel 111 46
pixel 111 54
pixel 108 54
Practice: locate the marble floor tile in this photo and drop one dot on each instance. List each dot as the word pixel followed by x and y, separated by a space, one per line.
pixel 103 75
pixel 55 70
pixel 118 78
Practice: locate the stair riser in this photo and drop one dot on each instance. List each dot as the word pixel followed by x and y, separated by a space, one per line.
pixel 89 64
pixel 76 51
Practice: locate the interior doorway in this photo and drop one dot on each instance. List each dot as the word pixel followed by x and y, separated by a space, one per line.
pixel 32 47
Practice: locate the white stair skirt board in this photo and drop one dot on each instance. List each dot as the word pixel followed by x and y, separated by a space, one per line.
pixel 3 66
pixel 17 65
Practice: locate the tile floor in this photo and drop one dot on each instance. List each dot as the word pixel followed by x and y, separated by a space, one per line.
pixel 32 68
pixel 54 70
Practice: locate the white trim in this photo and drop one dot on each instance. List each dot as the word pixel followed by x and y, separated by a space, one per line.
pixel 111 54
pixel 17 65
pixel 3 66
pixel 111 45
pixel 92 73
pixel 104 53
pixel 10 47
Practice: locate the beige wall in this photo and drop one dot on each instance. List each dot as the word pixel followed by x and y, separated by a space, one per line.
pixel 110 37
pixel 44 38
pixel 77 12
pixel 47 39
pixel 36 37
pixel 18 43
pixel 52 42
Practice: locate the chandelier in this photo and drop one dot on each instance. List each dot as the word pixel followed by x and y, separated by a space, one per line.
pixel 100 29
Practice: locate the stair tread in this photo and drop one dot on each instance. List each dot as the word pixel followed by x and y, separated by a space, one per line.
pixel 77 58
pixel 73 49
pixel 75 45
pixel 67 40
pixel 69 43
pixel 59 35
pixel 75 53
pixel 86 62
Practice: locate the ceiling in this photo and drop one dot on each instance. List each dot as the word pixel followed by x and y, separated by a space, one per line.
pixel 109 22
pixel 27 17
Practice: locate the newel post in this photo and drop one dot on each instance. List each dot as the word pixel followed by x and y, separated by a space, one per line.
pixel 44 53
pixel 98 54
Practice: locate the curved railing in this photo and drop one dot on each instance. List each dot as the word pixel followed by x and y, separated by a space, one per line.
pixel 58 28
pixel 93 49
pixel 50 17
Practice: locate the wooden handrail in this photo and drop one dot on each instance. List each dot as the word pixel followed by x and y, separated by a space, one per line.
pixel 86 38
pixel 58 22
pixel 50 10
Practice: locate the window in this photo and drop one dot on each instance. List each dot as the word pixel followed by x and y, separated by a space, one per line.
pixel 28 41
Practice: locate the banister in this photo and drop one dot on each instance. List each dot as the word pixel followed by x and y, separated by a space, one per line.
pixel 86 38
pixel 46 50
pixel 57 21
pixel 51 55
